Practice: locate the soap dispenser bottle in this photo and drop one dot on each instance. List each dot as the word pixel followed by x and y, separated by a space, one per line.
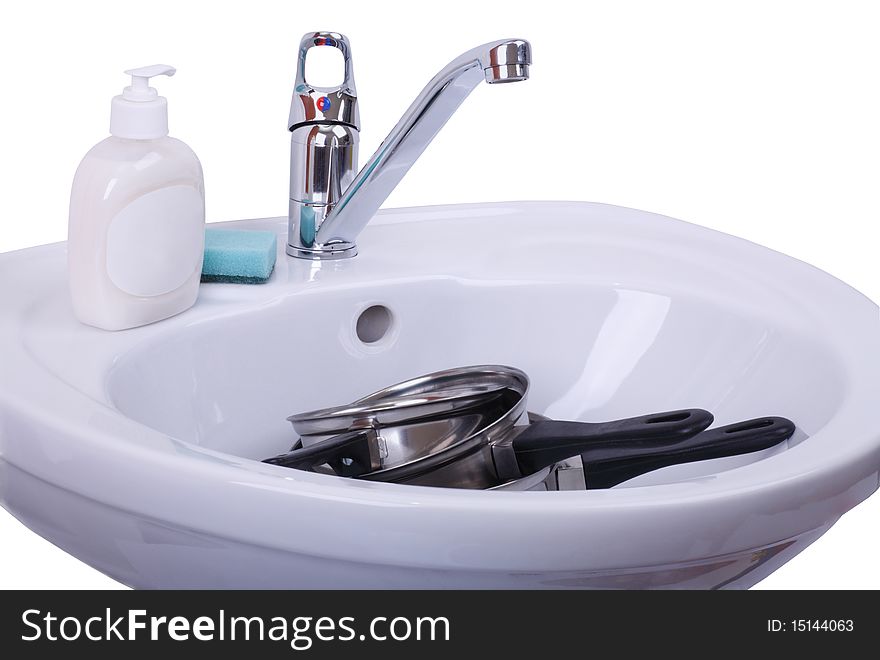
pixel 136 231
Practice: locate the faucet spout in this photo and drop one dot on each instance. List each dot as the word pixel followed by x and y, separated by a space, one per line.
pixel 502 61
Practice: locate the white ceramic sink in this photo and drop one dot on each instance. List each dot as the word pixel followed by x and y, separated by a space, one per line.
pixel 138 452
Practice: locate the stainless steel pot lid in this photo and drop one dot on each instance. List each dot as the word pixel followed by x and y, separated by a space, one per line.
pixel 392 410
pixel 415 419
pixel 459 379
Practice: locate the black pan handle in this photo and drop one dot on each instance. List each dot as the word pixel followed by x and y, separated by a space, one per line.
pixel 544 443
pixel 348 454
pixel 732 440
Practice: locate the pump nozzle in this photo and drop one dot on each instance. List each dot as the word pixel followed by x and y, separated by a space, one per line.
pixel 139 113
pixel 140 89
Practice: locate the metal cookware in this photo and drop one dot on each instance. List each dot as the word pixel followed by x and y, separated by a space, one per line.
pixel 604 468
pixel 392 410
pixel 423 416
pixel 480 445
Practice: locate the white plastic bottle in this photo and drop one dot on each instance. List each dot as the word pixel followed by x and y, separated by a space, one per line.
pixel 136 233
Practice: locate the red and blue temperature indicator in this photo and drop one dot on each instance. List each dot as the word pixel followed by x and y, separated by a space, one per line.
pixel 324 103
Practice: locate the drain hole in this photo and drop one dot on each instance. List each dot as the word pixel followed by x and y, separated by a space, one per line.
pixel 374 323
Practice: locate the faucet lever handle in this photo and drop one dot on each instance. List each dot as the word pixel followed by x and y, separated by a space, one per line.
pixel 312 104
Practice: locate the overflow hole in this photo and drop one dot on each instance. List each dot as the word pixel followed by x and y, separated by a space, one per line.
pixel 374 323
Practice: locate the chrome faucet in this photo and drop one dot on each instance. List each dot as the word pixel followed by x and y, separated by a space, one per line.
pixel 329 205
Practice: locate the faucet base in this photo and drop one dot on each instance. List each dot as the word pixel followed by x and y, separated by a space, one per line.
pixel 303 221
pixel 341 250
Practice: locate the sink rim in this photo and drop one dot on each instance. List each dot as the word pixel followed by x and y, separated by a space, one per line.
pixel 748 485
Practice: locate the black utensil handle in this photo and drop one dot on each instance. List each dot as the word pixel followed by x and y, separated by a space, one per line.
pixel 547 442
pixel 347 454
pixel 731 440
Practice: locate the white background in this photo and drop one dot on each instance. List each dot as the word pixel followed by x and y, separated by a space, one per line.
pixel 758 119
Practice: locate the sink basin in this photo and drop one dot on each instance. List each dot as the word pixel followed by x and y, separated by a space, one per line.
pixel 138 452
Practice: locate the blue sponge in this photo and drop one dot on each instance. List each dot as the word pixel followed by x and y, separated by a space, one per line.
pixel 241 257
